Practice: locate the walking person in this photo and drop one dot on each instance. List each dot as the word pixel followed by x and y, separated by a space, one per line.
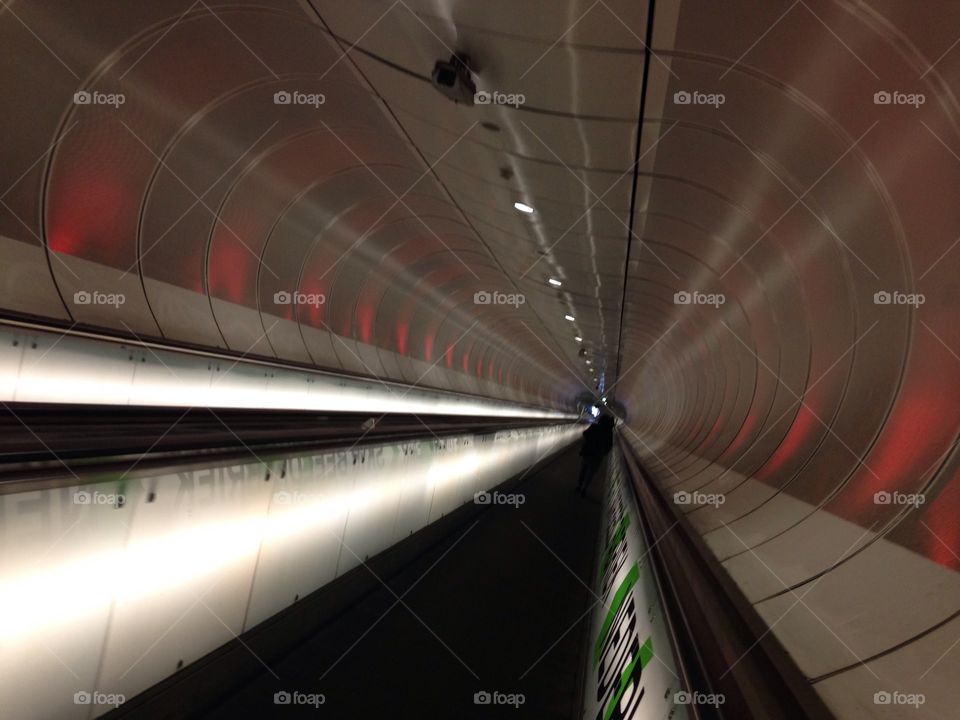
pixel 597 442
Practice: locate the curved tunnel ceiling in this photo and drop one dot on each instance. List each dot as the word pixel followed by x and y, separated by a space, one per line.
pixel 157 161
pixel 790 348
pixel 781 326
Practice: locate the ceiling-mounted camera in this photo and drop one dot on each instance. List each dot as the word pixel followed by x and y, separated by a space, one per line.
pixel 454 79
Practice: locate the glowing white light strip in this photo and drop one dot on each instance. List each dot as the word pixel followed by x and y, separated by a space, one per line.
pixel 84 370
pixel 456 470
pixel 52 596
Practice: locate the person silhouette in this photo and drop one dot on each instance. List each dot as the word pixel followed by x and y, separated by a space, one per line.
pixel 597 442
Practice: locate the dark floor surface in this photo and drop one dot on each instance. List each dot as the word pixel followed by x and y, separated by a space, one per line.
pixel 500 607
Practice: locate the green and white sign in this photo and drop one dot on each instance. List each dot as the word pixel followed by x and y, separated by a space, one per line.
pixel 631 670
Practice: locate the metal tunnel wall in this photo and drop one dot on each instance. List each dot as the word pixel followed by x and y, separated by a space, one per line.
pixel 131 575
pixel 219 176
pixel 790 349
pixel 744 229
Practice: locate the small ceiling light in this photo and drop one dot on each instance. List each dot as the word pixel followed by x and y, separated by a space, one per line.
pixel 523 207
pixel 569 317
pixel 555 282
pixel 578 338
pixel 588 362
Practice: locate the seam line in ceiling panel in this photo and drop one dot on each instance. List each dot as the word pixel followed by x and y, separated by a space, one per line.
pixel 431 168
pixel 648 40
pixel 341 41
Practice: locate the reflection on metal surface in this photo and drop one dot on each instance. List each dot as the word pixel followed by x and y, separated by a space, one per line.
pixel 281 181
pixel 165 568
pixel 631 670
pixel 44 368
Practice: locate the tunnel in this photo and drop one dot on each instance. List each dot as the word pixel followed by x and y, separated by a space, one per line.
pixel 551 359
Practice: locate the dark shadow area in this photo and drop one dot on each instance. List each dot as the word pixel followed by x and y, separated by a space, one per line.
pixel 498 607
